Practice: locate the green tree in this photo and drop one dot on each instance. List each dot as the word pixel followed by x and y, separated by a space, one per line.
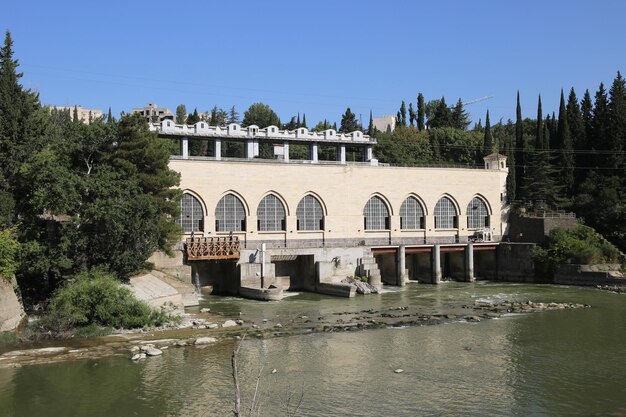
pixel 110 118
pixel 193 118
pixel 371 128
pixel 519 153
pixel 599 138
pixel 304 120
pixel 459 117
pixel 566 151
pixel 403 114
pixel 617 123
pixel 442 115
pixel 9 248
pixel 586 110
pixel 261 115
pixel 411 114
pixel 420 111
pixel 181 114
pixel 488 145
pixel 233 116
pixel 348 122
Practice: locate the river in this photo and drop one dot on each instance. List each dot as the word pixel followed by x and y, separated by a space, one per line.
pixel 552 363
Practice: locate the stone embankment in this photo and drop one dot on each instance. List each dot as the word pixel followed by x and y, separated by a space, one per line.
pixel 361 287
pixel 206 329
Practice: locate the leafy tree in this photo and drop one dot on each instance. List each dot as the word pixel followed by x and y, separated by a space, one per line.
pixel 420 111
pixel 9 247
pixel 411 114
pixel 181 114
pixel 348 122
pixel 261 115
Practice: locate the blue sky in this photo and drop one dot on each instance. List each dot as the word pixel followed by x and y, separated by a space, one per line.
pixel 315 57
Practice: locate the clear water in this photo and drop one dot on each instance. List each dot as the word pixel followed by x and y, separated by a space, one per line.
pixel 556 363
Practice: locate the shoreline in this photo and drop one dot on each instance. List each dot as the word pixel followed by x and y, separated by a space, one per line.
pixel 200 332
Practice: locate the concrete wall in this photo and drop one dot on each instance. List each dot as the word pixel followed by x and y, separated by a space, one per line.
pixel 516 264
pixel 535 229
pixel 11 310
pixel 585 275
pixel 343 191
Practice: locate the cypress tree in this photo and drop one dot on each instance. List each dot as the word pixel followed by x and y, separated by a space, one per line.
pixel 511 186
pixel 539 145
pixel 75 115
pixel 566 154
pixel 403 114
pixel 411 114
pixel 519 150
pixel 370 130
pixel 298 121
pixel 304 120
pixel 586 110
pixel 420 111
pixel 110 118
pixel 488 138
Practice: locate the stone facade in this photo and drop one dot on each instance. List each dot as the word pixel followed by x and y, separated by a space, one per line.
pixel 343 191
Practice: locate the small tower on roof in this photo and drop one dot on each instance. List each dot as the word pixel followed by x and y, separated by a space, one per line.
pixel 496 161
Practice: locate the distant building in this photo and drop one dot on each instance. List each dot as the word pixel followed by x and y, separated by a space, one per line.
pixel 382 123
pixel 154 114
pixel 84 115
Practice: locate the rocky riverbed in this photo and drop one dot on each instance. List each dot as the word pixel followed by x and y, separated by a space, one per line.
pixel 204 329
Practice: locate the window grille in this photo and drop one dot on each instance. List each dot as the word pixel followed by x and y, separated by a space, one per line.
pixel 477 214
pixel 270 214
pixel 191 214
pixel 411 214
pixel 230 215
pixel 309 214
pixel 445 214
pixel 376 214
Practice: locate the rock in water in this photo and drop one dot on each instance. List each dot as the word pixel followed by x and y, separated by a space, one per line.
pixel 138 356
pixel 152 351
pixel 398 371
pixel 205 340
pixel 229 323
pixel 205 310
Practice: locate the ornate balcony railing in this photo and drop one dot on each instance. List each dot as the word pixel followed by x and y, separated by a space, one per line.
pixel 212 248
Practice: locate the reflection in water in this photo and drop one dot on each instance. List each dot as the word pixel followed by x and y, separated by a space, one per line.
pixel 552 363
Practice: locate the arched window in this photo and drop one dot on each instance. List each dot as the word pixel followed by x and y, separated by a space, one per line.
pixel 270 214
pixel 191 214
pixel 477 214
pixel 230 215
pixel 310 214
pixel 376 214
pixel 411 214
pixel 445 214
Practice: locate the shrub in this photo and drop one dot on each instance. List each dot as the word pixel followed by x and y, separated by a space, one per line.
pixel 96 298
pixel 8 252
pixel 580 245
